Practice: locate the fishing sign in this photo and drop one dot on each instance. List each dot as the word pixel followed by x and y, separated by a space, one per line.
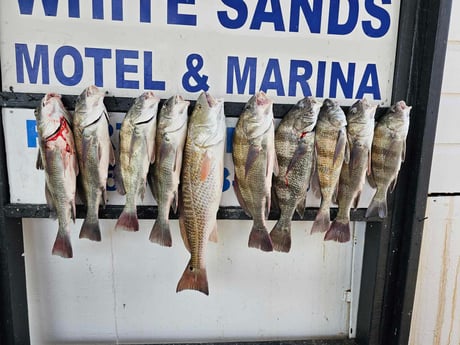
pixel 341 49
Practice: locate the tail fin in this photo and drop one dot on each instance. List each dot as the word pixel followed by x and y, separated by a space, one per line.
pixel 161 234
pixel 377 208
pixel 62 246
pixel 90 230
pixel 281 238
pixel 260 239
pixel 127 221
pixel 193 279
pixel 322 222
pixel 338 231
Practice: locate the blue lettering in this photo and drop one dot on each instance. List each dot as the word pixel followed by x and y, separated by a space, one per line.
pixel 337 76
pixel 260 16
pixel 370 73
pixel 98 9
pixel 145 11
pixel 300 78
pixel 122 68
pixel 174 17
pixel 334 28
pixel 49 6
pixel 242 14
pixel 230 133
pixel 273 68
pixel 40 59
pixel 98 54
pixel 320 78
pixel 249 73
pixel 226 185
pixel 32 133
pixel 61 53
pixel 381 14
pixel 149 83
pixel 117 9
pixel 311 15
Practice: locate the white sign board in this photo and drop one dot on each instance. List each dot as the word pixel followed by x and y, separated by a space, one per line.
pixel 326 48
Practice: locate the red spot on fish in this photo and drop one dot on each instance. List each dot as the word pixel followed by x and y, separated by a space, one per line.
pixel 62 131
pixel 303 135
pixel 286 182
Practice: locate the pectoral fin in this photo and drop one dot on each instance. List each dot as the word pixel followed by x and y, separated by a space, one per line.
pixel 340 145
pixel 39 164
pixel 253 154
pixel 205 166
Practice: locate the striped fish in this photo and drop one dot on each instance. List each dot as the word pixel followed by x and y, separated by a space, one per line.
pixel 295 148
pixel 331 152
pixel 388 151
pixel 360 130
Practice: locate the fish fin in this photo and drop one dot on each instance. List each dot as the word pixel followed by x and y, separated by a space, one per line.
pixel 340 145
pixel 356 200
pixel 103 200
pixel 152 153
pixel 39 164
pixel 112 159
pixel 371 180
pixel 161 234
pixel 281 238
pixel 260 239
pixel 300 151
pixel 393 184
pixel 346 156
pixel 355 157
pixel 175 202
pixel 127 221
pixel 339 232
pixel 239 196
pixel 90 230
pixel 119 179
pixel 300 208
pixel 164 151
pixel 213 236
pixel 322 222
pixel 276 167
pixel 193 279
pixel 377 208
pixel 62 246
pixel 253 153
pixel 205 166
pixel 369 162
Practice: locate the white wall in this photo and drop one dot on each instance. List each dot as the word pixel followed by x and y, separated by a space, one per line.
pixel 436 314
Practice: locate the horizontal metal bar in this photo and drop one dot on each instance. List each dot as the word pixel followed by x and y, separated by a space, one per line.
pixel 151 212
pixel 283 342
pixel 122 104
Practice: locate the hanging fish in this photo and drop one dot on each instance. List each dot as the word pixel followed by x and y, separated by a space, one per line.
pixel 137 152
pixel 388 152
pixel 57 157
pixel 95 153
pixel 201 185
pixel 295 148
pixel 164 174
pixel 331 152
pixel 254 158
pixel 360 131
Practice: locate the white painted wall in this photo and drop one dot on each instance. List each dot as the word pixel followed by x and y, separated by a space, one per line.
pixel 436 314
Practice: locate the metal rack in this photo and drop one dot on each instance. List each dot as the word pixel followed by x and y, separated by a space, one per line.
pixel 392 246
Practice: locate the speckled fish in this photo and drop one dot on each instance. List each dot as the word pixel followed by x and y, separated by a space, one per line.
pixel 164 174
pixel 137 152
pixel 254 159
pixel 388 152
pixel 58 158
pixel 201 186
pixel 295 148
pixel 360 131
pixel 95 153
pixel 331 152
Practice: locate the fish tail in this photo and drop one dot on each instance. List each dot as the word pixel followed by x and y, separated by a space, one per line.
pixel 260 239
pixel 193 279
pixel 281 237
pixel 338 231
pixel 90 230
pixel 62 246
pixel 161 234
pixel 377 208
pixel 127 221
pixel 322 221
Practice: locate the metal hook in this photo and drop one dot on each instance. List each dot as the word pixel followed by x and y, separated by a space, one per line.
pixel 14 94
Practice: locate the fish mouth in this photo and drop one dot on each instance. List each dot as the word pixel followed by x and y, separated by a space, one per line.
pixel 262 99
pixel 212 102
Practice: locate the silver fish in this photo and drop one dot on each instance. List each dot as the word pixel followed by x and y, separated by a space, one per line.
pixel 254 159
pixel 295 148
pixel 388 152
pixel 137 152
pixel 360 131
pixel 58 158
pixel 95 153
pixel 164 174
pixel 201 185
